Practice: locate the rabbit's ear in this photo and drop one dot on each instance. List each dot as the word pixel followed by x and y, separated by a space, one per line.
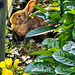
pixel 29 8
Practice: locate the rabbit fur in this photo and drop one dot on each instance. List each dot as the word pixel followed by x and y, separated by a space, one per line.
pixel 22 23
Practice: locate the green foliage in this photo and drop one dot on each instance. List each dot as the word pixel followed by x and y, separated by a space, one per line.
pixel 61 69
pixel 59 55
pixel 42 53
pixel 55 17
pixel 58 62
pixel 39 31
pixel 63 18
pixel 41 9
pixel 64 57
pixel 55 4
pixel 73 33
pixel 50 43
pixel 71 11
pixel 39 67
pixel 68 46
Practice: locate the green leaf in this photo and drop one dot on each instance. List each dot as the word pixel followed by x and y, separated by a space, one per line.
pixel 73 50
pixel 58 28
pixel 72 69
pixel 64 57
pixel 48 74
pixel 46 58
pixel 52 11
pixel 42 53
pixel 71 12
pixel 50 43
pixel 40 31
pixel 55 4
pixel 41 14
pixel 69 4
pixel 63 69
pixel 67 47
pixel 64 27
pixel 73 33
pixel 61 21
pixel 67 27
pixel 32 15
pixel 68 1
pixel 55 17
pixel 62 40
pixel 39 67
pixel 40 8
pixel 61 7
pixel 42 56
pixel 54 49
pixel 69 19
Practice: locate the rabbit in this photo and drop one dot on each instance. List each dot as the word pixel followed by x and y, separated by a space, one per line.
pixel 22 23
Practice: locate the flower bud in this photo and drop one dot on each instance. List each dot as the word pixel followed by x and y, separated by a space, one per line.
pixel 16 63
pixel 8 62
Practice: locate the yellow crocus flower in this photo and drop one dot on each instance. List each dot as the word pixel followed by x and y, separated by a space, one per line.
pixel 25 74
pixel 8 62
pixel 2 64
pixel 8 72
pixel 16 63
pixel 3 71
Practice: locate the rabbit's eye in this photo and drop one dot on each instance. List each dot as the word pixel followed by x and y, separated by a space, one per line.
pixel 19 16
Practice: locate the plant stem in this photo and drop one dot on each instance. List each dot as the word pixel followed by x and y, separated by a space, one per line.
pixel 61 7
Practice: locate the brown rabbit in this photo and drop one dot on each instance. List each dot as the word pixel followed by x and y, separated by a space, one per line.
pixel 22 23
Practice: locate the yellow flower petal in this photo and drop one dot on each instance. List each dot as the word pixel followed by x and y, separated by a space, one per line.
pixel 25 74
pixel 8 62
pixel 16 63
pixel 8 72
pixel 2 64
pixel 3 71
